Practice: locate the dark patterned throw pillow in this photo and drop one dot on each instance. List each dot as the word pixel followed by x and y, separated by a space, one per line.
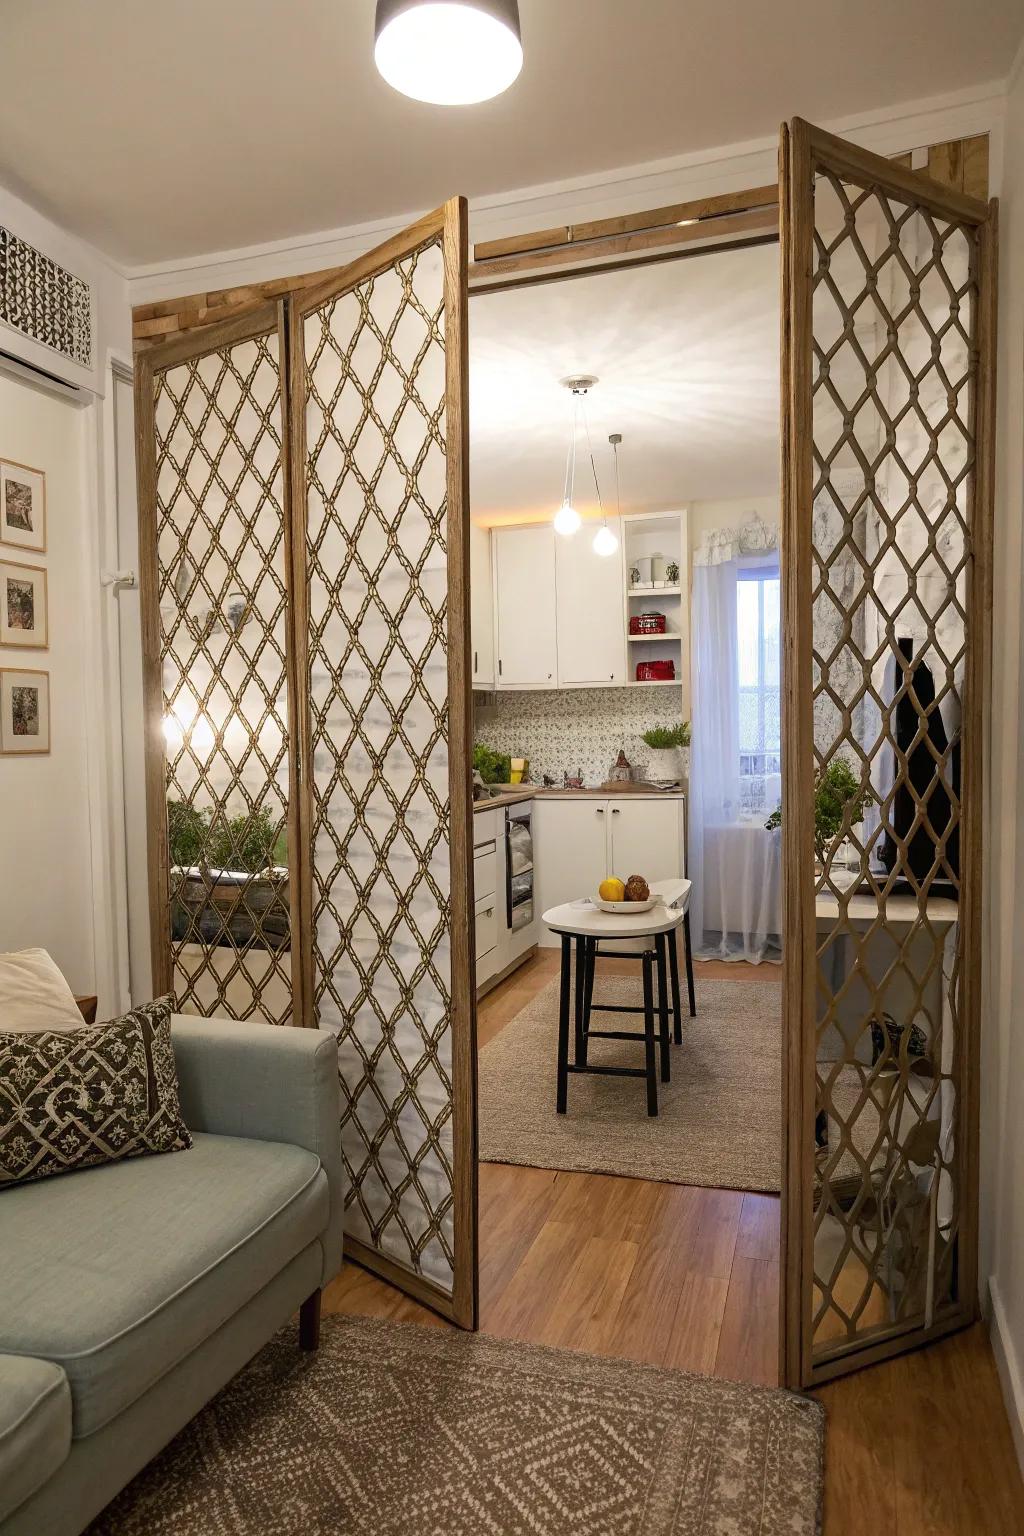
pixel 69 1099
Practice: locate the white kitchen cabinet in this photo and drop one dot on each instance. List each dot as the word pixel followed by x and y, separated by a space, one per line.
pixel 591 613
pixel 524 607
pixel 645 837
pixel 481 606
pixel 580 841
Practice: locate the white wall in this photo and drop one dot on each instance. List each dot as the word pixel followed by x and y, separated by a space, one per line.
pixel 1002 1116
pixel 60 815
pixel 46 894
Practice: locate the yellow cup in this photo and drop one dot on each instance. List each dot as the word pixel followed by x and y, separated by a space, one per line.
pixel 519 767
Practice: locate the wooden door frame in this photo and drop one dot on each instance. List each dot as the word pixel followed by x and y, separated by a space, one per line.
pixel 263 320
pixel 802 149
pixel 448 227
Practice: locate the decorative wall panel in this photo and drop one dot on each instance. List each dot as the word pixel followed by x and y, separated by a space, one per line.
pixel 221 572
pixel 377 566
pixel 896 636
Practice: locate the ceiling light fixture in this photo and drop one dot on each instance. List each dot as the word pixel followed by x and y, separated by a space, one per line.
pixel 448 52
pixel 567 519
pixel 605 541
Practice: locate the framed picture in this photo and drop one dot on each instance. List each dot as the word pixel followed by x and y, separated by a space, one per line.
pixel 23 615
pixel 24 712
pixel 22 506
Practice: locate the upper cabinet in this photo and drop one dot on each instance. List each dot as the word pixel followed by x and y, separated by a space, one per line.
pixel 481 606
pixel 524 607
pixel 591 621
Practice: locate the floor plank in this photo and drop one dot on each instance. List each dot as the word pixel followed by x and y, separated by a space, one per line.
pixel 685 1277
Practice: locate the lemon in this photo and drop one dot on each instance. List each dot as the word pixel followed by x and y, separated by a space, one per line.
pixel 612 890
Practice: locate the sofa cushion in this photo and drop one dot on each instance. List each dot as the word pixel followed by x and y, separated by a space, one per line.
pixel 35 1426
pixel 34 994
pixel 117 1272
pixel 71 1098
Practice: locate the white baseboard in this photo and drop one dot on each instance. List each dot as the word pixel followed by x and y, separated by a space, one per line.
pixel 1011 1376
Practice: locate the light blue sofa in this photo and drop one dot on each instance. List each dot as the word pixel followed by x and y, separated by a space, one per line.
pixel 130 1293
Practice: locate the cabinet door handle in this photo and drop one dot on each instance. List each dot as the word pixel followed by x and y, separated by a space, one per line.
pixel 499 666
pixel 615 810
pixel 599 810
pixel 474 661
pixel 549 675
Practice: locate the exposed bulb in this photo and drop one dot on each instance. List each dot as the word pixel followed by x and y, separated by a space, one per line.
pixel 567 519
pixel 605 542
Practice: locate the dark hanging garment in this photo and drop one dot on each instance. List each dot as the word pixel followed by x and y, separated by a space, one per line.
pixel 926 781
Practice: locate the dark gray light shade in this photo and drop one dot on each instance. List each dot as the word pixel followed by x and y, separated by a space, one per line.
pixel 506 11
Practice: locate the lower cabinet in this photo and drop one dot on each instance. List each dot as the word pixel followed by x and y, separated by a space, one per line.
pixel 579 842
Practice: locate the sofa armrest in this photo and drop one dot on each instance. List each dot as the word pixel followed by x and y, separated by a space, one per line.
pixel 266 1082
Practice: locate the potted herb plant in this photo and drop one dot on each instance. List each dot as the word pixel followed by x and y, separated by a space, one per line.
pixel 229 876
pixel 840 800
pixel 665 765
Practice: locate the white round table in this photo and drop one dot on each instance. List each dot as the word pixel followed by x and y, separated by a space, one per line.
pixel 582 923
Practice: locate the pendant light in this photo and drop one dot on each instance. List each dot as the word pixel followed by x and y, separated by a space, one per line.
pixel 605 541
pixel 448 52
pixel 567 519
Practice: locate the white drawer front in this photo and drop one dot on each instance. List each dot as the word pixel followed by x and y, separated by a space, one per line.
pixel 486 926
pixel 485 872
pixel 485 826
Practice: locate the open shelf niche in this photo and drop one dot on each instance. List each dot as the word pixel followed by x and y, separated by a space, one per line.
pixel 654 537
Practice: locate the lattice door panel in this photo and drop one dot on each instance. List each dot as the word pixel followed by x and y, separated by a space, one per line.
pixel 387 747
pixel 885 519
pixel 221 609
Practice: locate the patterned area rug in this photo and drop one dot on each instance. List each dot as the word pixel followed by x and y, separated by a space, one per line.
pixel 398 1430
pixel 719 1119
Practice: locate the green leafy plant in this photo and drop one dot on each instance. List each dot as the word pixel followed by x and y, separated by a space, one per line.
pixel 840 800
pixel 493 767
pixel 662 738
pixel 187 831
pixel 246 843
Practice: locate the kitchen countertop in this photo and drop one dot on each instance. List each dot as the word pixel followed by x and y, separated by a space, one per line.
pixel 539 792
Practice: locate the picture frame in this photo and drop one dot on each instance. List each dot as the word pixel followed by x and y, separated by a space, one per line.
pixel 24 611
pixel 22 506
pixel 24 712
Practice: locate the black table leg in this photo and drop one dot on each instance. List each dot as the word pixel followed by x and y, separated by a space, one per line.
pixel 580 1049
pixel 660 940
pixel 689 966
pixel 652 1076
pixel 589 951
pixel 673 965
pixel 563 1028
pixel 588 994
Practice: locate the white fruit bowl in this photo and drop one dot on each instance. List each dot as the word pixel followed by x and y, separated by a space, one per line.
pixel 618 907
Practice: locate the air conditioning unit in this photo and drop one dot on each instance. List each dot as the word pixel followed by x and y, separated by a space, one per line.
pixel 49 312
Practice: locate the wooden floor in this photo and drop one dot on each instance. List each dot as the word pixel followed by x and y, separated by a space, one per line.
pixel 688 1278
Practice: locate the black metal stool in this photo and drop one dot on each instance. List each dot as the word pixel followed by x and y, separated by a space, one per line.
pixel 580 925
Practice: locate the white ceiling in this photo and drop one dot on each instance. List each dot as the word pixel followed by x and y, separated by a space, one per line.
pixel 163 130
pixel 687 355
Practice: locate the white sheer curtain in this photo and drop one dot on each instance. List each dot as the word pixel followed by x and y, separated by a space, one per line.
pixel 734 863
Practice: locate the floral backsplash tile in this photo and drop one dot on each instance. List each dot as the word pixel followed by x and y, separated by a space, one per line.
pixel 575 728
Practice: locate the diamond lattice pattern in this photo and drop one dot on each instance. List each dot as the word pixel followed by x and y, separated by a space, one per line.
pixel 378 683
pixel 895 359
pixel 223 617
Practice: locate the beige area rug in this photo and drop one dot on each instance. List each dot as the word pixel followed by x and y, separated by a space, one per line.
pixel 719 1119
pixel 398 1430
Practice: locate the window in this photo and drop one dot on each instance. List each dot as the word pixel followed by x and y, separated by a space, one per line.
pixel 757 623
